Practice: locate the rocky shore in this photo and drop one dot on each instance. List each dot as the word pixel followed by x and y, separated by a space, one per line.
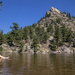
pixel 43 50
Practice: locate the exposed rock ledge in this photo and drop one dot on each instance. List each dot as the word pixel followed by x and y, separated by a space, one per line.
pixel 62 49
pixel 65 49
pixel 8 48
pixel 55 10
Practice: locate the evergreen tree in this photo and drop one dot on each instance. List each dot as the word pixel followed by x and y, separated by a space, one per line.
pixel 25 33
pixel 40 32
pixel 21 47
pixel 69 36
pixel 15 29
pixel 30 31
pixel 35 43
pixel 1 5
pixel 20 34
pixel 46 24
pixel 1 49
pixel 0 2
pixel 58 20
pixel 34 25
pixel 48 15
pixel 54 46
pixel 64 12
pixel 57 34
pixel 50 28
pixel 10 38
pixel 1 37
pixel 64 33
pixel 73 39
pixel 73 43
pixel 68 15
pixel 45 37
pixel 52 21
pixel 37 30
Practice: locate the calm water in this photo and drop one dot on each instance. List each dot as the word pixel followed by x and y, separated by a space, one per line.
pixel 38 64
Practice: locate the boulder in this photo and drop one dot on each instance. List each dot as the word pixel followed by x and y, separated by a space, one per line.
pixel 51 38
pixel 43 52
pixel 65 49
pixel 31 51
pixel 38 52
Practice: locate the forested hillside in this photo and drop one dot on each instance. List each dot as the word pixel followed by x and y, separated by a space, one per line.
pixel 55 30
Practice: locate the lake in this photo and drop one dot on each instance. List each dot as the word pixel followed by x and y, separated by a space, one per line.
pixel 38 64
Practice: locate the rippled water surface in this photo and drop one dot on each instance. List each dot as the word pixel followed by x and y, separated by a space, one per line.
pixel 38 64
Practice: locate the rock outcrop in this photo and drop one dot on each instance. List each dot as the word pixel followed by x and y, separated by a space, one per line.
pixel 55 10
pixel 65 49
pixel 8 48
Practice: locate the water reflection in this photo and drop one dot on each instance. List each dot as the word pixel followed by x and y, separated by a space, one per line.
pixel 42 64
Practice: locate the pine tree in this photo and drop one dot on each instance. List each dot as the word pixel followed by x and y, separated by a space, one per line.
pixel 20 34
pixel 50 29
pixel 1 5
pixel 45 37
pixel 30 32
pixel 46 24
pixel 10 38
pixel 64 12
pixel 15 28
pixel 1 37
pixel 25 33
pixel 54 46
pixel 57 34
pixel 52 21
pixel 1 49
pixel 40 32
pixel 64 33
pixel 69 36
pixel 34 25
pixel 73 43
pixel 58 20
pixel 67 14
pixel 35 43
pixel 21 47
pixel 15 31
pixel 37 30
pixel 48 15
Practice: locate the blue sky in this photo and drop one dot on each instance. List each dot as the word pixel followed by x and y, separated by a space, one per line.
pixel 27 12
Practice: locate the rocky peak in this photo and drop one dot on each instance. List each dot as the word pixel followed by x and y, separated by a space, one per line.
pixel 55 10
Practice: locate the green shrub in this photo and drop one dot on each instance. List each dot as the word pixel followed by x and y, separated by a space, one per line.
pixel 73 44
pixel 48 15
pixel 1 49
pixel 41 51
pixel 58 20
pixel 54 47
